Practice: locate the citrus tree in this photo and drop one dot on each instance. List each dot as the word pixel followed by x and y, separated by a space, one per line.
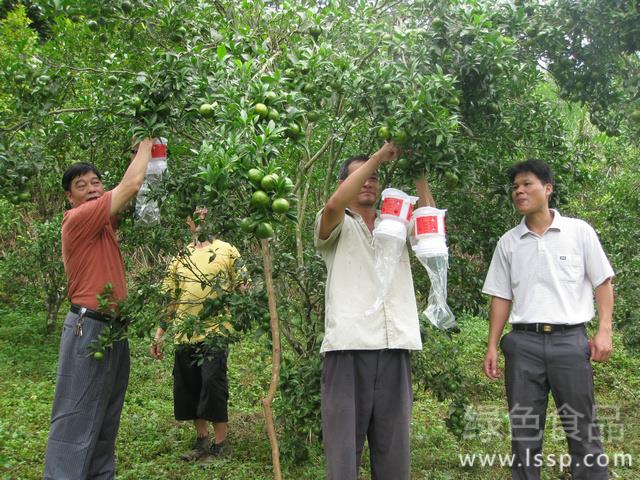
pixel 260 101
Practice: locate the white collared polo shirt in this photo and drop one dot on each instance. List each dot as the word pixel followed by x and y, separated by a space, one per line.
pixel 549 278
pixel 352 290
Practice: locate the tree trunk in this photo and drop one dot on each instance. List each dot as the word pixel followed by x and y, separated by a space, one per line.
pixel 275 361
pixel 53 303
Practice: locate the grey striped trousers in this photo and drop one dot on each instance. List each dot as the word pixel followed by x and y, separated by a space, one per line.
pixel 86 409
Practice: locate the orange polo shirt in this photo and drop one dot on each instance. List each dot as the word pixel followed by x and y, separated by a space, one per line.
pixel 91 253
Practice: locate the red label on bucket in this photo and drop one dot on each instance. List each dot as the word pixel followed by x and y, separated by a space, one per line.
pixel 158 150
pixel 409 212
pixel 425 225
pixel 392 206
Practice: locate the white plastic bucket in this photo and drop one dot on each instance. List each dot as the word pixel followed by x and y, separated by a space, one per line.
pixel 429 222
pixel 391 228
pixel 431 246
pixel 396 205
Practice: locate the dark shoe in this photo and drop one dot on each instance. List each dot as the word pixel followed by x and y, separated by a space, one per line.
pixel 201 449
pixel 220 450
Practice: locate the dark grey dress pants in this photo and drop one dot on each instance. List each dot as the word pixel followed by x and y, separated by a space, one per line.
pixel 535 364
pixel 87 405
pixel 366 393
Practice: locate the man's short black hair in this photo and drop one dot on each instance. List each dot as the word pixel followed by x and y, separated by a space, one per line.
pixel 77 170
pixel 344 169
pixel 539 168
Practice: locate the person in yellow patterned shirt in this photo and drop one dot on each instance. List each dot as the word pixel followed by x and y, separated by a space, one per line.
pixel 197 280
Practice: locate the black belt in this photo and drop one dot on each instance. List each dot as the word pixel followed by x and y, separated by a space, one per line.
pixel 92 313
pixel 544 327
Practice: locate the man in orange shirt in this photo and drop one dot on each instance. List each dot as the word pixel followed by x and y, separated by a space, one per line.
pixel 90 387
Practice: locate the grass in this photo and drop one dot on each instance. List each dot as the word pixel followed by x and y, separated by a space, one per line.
pixel 150 440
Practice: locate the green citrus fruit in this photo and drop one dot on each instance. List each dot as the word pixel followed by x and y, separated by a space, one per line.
pixel 402 163
pixel 269 182
pixel 399 137
pixel 270 96
pixel 437 23
pixel 98 355
pixel 262 109
pixel 315 32
pixel 24 196
pixel 266 317
pixel 288 185
pixel 635 116
pixel 293 130
pixel 383 133
pixel 93 25
pixel 135 101
pixel 280 205
pixel 264 230
pixel 206 110
pixel 255 175
pixel 313 116
pixel 247 225
pixel 274 115
pixel 112 80
pixel 260 199
pixel 451 180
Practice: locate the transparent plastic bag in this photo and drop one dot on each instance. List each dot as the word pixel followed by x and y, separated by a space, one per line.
pixel 147 209
pixel 437 311
pixel 389 239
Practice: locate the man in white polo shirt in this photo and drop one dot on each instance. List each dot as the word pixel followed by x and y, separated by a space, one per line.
pixel 366 377
pixel 542 278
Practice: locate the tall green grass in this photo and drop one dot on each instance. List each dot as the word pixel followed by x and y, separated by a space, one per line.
pixel 151 441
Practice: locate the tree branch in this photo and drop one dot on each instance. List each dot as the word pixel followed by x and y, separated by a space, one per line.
pixel 275 360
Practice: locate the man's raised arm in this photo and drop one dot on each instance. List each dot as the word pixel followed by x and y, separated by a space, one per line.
pixel 425 198
pixel 349 188
pixel 132 178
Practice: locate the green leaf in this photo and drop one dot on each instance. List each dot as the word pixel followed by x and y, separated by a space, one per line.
pixel 222 52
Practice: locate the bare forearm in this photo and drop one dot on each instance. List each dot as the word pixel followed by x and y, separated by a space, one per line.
pixel 132 179
pixel 498 316
pixel 134 176
pixel 604 303
pixel 348 190
pixel 425 198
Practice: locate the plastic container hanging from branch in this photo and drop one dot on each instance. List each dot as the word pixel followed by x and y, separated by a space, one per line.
pixel 431 249
pixel 389 238
pixel 147 209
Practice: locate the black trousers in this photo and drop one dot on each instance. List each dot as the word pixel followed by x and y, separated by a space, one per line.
pixel 366 393
pixel 200 385
pixel 558 362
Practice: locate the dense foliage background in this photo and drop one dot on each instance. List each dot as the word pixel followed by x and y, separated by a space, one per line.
pixel 468 88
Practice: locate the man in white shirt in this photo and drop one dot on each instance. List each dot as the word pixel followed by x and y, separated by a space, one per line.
pixel 366 377
pixel 541 278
